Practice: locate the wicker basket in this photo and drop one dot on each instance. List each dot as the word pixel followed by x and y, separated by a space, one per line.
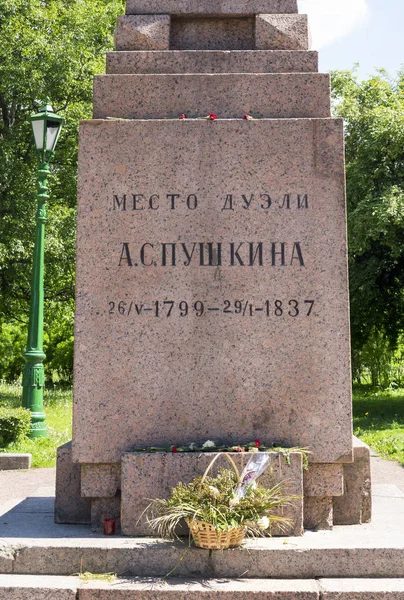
pixel 205 535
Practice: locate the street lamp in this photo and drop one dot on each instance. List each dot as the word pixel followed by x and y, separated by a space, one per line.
pixel 46 126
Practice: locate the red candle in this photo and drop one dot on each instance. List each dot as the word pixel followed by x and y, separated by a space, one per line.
pixel 109 526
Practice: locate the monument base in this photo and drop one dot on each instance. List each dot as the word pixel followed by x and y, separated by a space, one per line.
pixel 330 494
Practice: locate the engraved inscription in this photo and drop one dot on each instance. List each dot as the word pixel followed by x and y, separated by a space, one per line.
pixel 211 254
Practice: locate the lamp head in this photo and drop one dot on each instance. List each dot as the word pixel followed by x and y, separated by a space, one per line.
pixel 46 126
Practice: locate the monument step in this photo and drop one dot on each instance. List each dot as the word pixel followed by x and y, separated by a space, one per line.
pixel 37 587
pixel 147 557
pixel 212 61
pixel 274 95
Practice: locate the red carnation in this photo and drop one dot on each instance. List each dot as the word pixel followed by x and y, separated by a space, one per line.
pixel 183 116
pixel 257 443
pixel 212 117
pixel 248 117
pixel 174 449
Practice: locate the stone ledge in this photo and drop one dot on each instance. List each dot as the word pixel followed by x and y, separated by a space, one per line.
pixel 152 475
pixel 212 61
pixel 268 558
pixel 297 95
pixel 210 7
pixel 11 462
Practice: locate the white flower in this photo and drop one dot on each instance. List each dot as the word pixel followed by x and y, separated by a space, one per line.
pixel 263 523
pixel 234 502
pixel 214 491
pixel 209 444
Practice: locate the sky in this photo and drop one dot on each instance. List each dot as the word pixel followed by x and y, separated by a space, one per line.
pixel 368 32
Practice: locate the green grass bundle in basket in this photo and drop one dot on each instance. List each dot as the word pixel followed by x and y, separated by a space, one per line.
pixel 215 514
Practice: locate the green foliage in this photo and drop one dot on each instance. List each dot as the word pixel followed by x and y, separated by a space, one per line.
pixel 14 425
pixel 47 48
pixel 213 501
pixel 379 420
pixel 58 410
pixel 374 118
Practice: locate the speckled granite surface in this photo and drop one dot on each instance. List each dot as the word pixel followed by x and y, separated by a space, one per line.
pixel 274 95
pixel 279 372
pixel 210 7
pixel 212 61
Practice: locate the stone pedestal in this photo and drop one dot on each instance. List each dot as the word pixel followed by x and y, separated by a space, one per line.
pixel 212 296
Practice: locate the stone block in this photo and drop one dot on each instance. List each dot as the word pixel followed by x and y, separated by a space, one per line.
pixel 355 506
pixel 11 462
pixel 282 32
pixel 214 376
pixel 318 513
pixel 105 508
pixel 210 7
pixel 323 480
pixel 362 589
pixel 212 34
pixel 148 476
pixel 70 507
pixel 100 481
pixel 142 32
pixel 213 61
pixel 296 95
pixel 211 589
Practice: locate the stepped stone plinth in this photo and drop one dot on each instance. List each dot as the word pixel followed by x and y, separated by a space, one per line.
pixel 212 290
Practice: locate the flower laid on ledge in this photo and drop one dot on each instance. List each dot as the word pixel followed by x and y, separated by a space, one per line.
pixel 208 444
pixel 183 116
pixel 248 118
pixel 216 446
pixel 211 117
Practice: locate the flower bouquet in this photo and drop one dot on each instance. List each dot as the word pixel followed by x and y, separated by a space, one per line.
pixel 221 510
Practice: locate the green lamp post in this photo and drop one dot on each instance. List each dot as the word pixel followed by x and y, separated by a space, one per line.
pixel 46 126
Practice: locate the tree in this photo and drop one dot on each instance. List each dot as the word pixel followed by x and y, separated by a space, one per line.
pixel 47 48
pixel 374 119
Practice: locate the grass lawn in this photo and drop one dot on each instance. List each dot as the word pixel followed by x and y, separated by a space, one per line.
pixel 58 410
pixel 378 421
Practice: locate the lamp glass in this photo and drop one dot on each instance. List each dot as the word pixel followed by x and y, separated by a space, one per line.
pixel 38 128
pixel 52 133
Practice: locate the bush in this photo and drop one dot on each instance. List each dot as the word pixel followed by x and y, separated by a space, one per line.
pixel 14 425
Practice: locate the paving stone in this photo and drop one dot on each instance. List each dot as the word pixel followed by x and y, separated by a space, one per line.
pixel 12 462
